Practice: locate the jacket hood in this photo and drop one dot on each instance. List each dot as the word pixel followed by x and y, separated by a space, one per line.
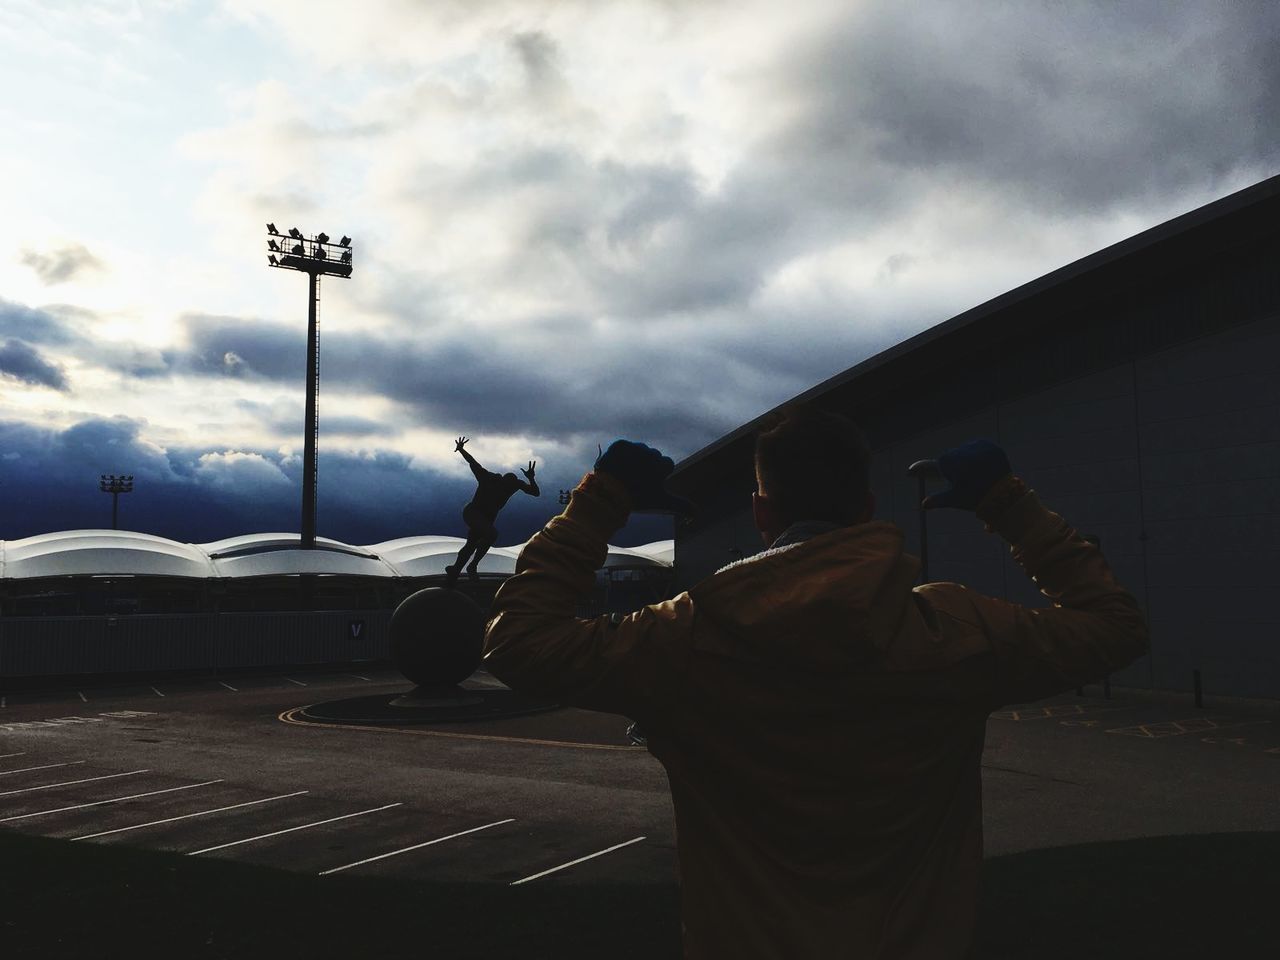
pixel 836 600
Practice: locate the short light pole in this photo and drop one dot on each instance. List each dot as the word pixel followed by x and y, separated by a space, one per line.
pixel 924 470
pixel 110 483
pixel 316 257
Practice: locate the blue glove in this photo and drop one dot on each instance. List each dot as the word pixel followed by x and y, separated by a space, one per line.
pixel 973 469
pixel 643 471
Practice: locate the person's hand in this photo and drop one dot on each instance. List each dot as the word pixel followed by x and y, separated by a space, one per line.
pixel 643 471
pixel 462 442
pixel 529 473
pixel 973 469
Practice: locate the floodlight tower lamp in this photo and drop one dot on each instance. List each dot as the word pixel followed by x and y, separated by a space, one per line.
pixel 314 258
pixel 115 485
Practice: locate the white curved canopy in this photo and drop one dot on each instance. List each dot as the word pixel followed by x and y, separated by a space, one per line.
pixel 428 556
pixel 70 553
pixel 281 554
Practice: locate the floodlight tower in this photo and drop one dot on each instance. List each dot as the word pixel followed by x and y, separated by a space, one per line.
pixel 316 257
pixel 110 483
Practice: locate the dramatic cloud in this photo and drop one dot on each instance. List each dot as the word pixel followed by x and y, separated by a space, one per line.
pixel 1072 109
pixel 32 325
pixel 61 265
pixel 200 495
pixel 574 220
pixel 23 362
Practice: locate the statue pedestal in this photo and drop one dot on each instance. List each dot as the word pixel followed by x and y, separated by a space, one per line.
pixel 437 697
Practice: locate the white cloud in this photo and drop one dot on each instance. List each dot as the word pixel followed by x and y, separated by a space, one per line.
pixel 235 469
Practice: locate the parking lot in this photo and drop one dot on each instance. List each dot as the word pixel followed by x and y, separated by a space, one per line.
pixel 220 769
pixel 210 769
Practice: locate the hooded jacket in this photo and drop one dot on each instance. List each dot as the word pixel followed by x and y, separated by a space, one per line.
pixel 821 718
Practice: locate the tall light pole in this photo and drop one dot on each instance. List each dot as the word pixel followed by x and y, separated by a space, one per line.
pixel 316 257
pixel 110 483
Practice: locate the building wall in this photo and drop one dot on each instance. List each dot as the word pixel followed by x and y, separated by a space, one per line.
pixel 200 642
pixel 1172 460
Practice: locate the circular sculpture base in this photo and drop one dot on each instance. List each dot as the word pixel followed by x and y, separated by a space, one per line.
pixel 437 637
pixel 400 710
pixel 437 698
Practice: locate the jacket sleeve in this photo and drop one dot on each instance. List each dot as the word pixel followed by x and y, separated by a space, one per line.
pixel 1094 627
pixel 535 644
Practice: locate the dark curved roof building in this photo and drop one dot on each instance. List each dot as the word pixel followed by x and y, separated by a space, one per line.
pixel 1137 390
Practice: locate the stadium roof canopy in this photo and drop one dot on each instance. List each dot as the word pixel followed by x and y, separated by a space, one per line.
pixel 281 554
pixel 428 556
pixel 72 553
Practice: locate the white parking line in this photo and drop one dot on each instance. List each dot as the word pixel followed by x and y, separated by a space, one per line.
pixel 358 677
pixel 156 692
pixel 590 856
pixel 291 680
pixel 47 766
pixel 264 836
pixel 188 816
pixel 229 687
pixel 417 846
pixel 6 756
pixel 72 783
pixel 82 696
pixel 98 803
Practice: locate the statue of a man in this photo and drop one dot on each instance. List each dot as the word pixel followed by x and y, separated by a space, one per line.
pixel 492 494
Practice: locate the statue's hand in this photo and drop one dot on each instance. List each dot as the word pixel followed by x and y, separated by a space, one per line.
pixel 462 442
pixel 533 465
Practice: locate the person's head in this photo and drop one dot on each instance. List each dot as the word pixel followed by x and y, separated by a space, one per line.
pixel 811 465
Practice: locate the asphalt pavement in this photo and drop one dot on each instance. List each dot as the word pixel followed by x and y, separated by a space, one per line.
pixel 221 769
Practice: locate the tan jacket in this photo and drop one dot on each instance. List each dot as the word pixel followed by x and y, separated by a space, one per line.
pixel 821 719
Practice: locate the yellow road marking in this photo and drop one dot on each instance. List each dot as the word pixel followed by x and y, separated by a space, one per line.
pixel 1052 710
pixel 289 716
pixel 1176 728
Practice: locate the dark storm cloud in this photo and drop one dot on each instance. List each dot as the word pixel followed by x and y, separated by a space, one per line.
pixel 21 361
pixel 199 495
pixel 34 325
pixel 230 346
pixel 532 385
pixel 285 419
pixel 1079 107
pixel 59 266
pixel 238 491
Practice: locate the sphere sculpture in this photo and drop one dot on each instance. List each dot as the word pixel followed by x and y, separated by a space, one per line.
pixel 437 637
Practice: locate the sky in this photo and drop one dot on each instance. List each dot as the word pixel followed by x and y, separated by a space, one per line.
pixel 573 220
